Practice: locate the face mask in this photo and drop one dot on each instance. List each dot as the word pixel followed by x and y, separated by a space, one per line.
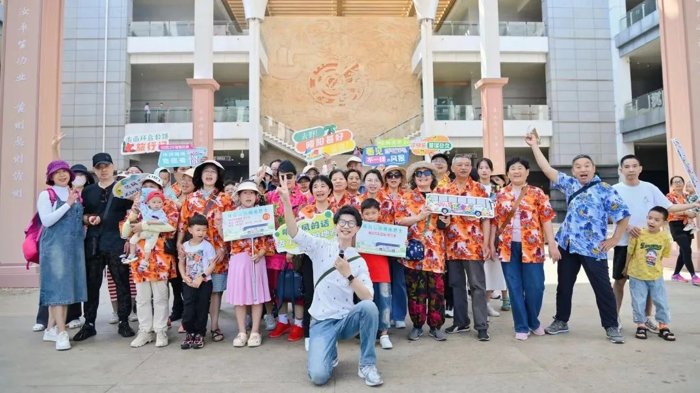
pixel 79 181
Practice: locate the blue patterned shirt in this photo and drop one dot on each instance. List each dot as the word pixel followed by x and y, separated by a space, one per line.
pixel 586 222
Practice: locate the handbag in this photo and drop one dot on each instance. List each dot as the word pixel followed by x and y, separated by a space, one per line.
pixel 290 286
pixel 416 250
pixel 510 215
pixel 92 244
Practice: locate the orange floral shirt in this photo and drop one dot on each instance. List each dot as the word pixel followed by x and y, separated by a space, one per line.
pixel 244 245
pixel 534 210
pixel 386 207
pixel 347 199
pixel 176 189
pixel 464 238
pixel 309 211
pixel 676 200
pixel 197 204
pixel 433 240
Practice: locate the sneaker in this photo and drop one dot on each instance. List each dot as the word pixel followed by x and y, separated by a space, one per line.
pixel 187 343
pixel 557 327
pixel 248 322
pixel 296 333
pixel 240 340
pixel 270 322
pixel 539 331
pixel 142 339
pixel 415 334
pixel 75 324
pixel 63 341
pixel 521 336
pixel 280 329
pixel 335 362
pixel 651 326
pixel 129 259
pixel 143 266
pixel 457 329
pixel 114 319
pixel 133 317
pixel 679 278
pixel 484 335
pixel 125 330
pixel 198 341
pixel 385 342
pixel 695 280
pixel 401 324
pixel 506 304
pixel 495 296
pixel 38 327
pixel 614 335
pixel 689 227
pixel 492 312
pixel 370 374
pixel 51 334
pixel 87 331
pixel 161 339
pixel 437 334
pixel 306 346
pixel 449 312
pixel 254 340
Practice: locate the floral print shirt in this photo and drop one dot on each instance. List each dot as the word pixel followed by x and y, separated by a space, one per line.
pixel 386 206
pixel 433 239
pixel 586 222
pixel 534 210
pixel 346 199
pixel 309 211
pixel 676 200
pixel 464 238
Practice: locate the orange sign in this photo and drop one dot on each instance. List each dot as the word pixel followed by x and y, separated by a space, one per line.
pixel 309 145
pixel 430 145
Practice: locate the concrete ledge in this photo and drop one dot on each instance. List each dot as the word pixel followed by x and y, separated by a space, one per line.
pixel 17 276
pixel 638 35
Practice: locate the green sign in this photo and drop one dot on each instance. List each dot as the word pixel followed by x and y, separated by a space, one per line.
pixel 400 142
pixel 440 145
pixel 312 133
pixel 321 225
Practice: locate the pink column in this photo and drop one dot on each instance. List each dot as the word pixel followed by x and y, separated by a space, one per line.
pixel 30 93
pixel 203 113
pixel 492 121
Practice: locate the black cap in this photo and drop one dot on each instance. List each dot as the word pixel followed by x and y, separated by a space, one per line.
pixel 101 158
pixel 79 168
pixel 286 166
pixel 440 155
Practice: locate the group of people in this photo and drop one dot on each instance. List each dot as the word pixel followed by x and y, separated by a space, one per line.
pixel 171 232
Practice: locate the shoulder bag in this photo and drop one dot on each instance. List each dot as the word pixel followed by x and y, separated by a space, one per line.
pixel 581 191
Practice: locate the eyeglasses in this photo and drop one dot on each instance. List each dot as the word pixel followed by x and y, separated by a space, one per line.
pixel 288 176
pixel 425 172
pixel 439 161
pixel 393 175
pixel 349 224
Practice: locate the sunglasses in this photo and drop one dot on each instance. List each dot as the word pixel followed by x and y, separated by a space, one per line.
pixel 288 176
pixel 393 175
pixel 424 173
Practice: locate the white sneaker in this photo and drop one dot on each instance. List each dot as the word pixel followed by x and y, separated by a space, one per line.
pixel 270 322
pixel 306 344
pixel 385 342
pixel 142 339
pixel 492 312
pixel 401 324
pixel 51 334
pixel 114 319
pixel 449 312
pixel 161 339
pixel 63 341
pixel 38 327
pixel 75 324
pixel 133 317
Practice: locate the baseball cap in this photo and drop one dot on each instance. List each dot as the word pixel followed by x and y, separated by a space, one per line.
pixel 303 176
pixel 156 194
pixel 354 159
pixel 101 158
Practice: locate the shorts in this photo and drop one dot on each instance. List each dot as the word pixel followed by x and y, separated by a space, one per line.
pixel 218 282
pixel 619 260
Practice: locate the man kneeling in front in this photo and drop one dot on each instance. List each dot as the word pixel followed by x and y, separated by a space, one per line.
pixel 339 272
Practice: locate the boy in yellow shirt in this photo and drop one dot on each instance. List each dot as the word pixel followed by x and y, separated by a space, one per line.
pixel 645 271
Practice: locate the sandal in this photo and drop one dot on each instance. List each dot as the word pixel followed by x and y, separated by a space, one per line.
pixel 255 340
pixel 666 334
pixel 641 333
pixel 240 340
pixel 216 335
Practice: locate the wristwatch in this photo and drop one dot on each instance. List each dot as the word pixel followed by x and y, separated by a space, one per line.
pixel 350 278
pixel 204 276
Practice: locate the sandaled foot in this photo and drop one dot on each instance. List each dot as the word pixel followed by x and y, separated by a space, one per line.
pixel 641 333
pixel 666 334
pixel 217 336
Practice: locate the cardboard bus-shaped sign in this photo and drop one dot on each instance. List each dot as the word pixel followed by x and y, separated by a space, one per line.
pixel 455 205
pixel 430 145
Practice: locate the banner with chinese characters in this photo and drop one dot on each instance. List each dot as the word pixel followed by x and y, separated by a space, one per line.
pixel 374 156
pixel 430 145
pixel 144 143
pixel 128 187
pixel 454 205
pixel 316 141
pixel 686 164
pixel 382 239
pixel 248 223
pixel 321 225
pixel 396 142
pixel 177 158
pixel 177 146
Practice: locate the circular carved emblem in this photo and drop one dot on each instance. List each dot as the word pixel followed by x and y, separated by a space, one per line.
pixel 337 83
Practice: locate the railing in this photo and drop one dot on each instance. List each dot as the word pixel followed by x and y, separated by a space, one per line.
pixel 519 29
pixel 510 112
pixel 277 130
pixel 177 29
pixel 454 112
pixel 645 103
pixel 403 130
pixel 222 114
pixel 637 13
pixel 230 114
pixel 458 28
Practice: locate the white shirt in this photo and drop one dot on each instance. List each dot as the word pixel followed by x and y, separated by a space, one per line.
pixel 48 213
pixel 640 200
pixel 147 109
pixel 333 297
pixel 198 258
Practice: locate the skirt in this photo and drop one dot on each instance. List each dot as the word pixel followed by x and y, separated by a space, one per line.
pixel 247 281
pixel 495 281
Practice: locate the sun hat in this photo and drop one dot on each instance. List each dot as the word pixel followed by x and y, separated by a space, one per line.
pixel 197 176
pixel 55 166
pixel 190 172
pixel 354 159
pixel 392 168
pixel 153 178
pixel 247 186
pixel 155 194
pixel 310 167
pixel 418 165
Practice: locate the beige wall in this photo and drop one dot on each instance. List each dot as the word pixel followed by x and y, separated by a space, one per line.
pixel 360 67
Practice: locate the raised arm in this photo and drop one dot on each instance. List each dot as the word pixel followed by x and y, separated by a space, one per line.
pixel 289 217
pixel 551 173
pixel 56 146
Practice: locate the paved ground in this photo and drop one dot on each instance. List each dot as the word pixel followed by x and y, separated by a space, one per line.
pixel 581 361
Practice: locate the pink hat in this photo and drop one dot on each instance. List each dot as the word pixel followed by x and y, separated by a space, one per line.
pixel 55 166
pixel 155 194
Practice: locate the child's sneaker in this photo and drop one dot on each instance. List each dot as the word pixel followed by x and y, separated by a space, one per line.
pixel 696 280
pixel 129 259
pixel 198 341
pixel 187 344
pixel 679 278
pixel 143 265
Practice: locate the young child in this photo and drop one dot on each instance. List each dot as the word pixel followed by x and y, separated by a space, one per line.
pixel 378 266
pixel 195 268
pixel 151 213
pixel 247 275
pixel 645 271
pixel 692 198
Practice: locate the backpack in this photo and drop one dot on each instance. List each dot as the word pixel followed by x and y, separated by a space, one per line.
pixel 30 245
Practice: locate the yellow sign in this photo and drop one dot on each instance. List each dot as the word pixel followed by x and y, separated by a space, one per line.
pixel 333 150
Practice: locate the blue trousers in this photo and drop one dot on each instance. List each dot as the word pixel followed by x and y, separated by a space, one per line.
pixel 640 289
pixel 382 299
pixel 363 318
pixel 399 298
pixel 525 283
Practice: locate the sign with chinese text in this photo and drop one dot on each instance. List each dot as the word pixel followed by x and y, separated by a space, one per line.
pixel 321 225
pixel 374 156
pixel 454 205
pixel 686 164
pixel 177 158
pixel 144 143
pixel 128 187
pixel 396 142
pixel 382 239
pixel 313 133
pixel 177 146
pixel 430 145
pixel 248 223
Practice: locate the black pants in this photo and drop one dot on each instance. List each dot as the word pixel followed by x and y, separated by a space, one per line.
pixel 597 272
pixel 449 300
pixel 685 255
pixel 196 307
pixel 95 266
pixel 307 275
pixel 75 310
pixel 178 304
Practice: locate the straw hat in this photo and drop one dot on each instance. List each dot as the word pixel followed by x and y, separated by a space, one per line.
pixel 418 165
pixel 392 168
pixel 247 186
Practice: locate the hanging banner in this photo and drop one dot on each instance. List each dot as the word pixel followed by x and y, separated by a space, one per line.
pixel 178 158
pixel 248 223
pixel 374 156
pixel 128 187
pixel 144 143
pixel 687 164
pixel 430 145
pixel 177 146
pixel 382 239
pixel 400 142
pixel 455 205
pixel 321 225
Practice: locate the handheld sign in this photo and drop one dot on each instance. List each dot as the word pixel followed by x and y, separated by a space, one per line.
pixel 177 146
pixel 374 156
pixel 395 142
pixel 175 158
pixel 321 225
pixel 686 163
pixel 430 145
pixel 382 239
pixel 455 205
pixel 128 187
pixel 144 143
pixel 248 223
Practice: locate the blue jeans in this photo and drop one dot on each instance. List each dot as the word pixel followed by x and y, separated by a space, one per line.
pixel 399 298
pixel 526 287
pixel 363 318
pixel 382 299
pixel 640 289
